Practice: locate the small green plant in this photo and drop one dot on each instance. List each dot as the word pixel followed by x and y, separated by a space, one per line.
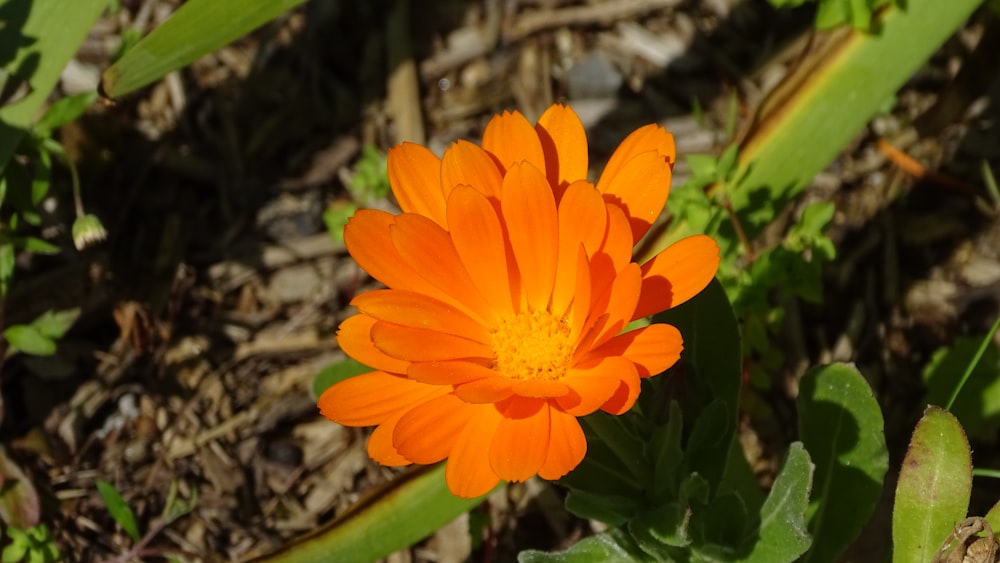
pixel 124 516
pixel 33 545
pixel 368 183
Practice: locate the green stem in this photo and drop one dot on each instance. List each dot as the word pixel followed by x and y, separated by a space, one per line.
pixel 972 365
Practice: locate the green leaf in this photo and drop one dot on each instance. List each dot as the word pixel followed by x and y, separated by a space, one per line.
pixel 841 425
pixel 28 339
pixel 36 245
pixel 62 112
pixel 335 218
pixel 54 324
pixel 703 166
pixel 613 510
pixel 335 373
pixel 197 28
pixel 934 486
pixel 43 35
pixel 6 266
pixel 399 514
pixel 782 534
pixel 977 406
pixel 708 446
pixel 118 508
pixel 613 545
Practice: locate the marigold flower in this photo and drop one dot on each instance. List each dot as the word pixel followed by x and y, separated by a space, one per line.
pixel 510 281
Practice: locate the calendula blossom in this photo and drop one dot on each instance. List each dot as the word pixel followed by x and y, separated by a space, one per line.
pixel 510 279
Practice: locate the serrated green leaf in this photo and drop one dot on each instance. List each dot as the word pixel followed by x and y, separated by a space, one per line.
pixel 197 28
pixel 703 166
pixel 29 340
pixel 782 535
pixel 335 218
pixel 935 483
pixel 840 423
pixel 119 509
pixel 335 373
pixel 54 324
pixel 62 112
pixel 613 545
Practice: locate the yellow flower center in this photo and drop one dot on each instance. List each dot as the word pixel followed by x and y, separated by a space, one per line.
pixel 534 345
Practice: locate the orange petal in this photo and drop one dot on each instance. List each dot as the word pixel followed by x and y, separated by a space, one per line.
pixel 615 252
pixel 486 390
pixel 465 164
pixel 427 248
pixel 648 138
pixel 454 372
pixel 419 345
pixel 567 446
pixel 529 211
pixel 580 310
pixel 380 446
pixel 468 472
pixel 414 174
pixel 368 240
pixel 481 246
pixel 592 384
pixel 612 310
pixel 355 339
pixel 427 433
pixel 641 186
pixel 677 274
pixel 564 142
pixel 511 139
pixel 521 442
pixel 539 389
pixel 419 311
pixel 626 394
pixel 374 397
pixel 582 220
pixel 652 348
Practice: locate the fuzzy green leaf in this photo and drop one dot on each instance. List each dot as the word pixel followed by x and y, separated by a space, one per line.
pixel 613 545
pixel 841 425
pixel 782 535
pixel 934 486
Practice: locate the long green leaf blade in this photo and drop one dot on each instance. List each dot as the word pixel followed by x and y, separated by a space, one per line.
pixel 51 33
pixel 830 97
pixel 841 425
pixel 408 509
pixel 934 486
pixel 195 29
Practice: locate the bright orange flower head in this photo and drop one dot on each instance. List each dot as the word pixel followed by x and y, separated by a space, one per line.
pixel 510 280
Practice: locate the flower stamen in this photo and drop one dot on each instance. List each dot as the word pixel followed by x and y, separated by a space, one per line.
pixel 534 345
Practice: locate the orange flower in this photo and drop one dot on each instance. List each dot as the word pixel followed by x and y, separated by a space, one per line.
pixel 510 282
